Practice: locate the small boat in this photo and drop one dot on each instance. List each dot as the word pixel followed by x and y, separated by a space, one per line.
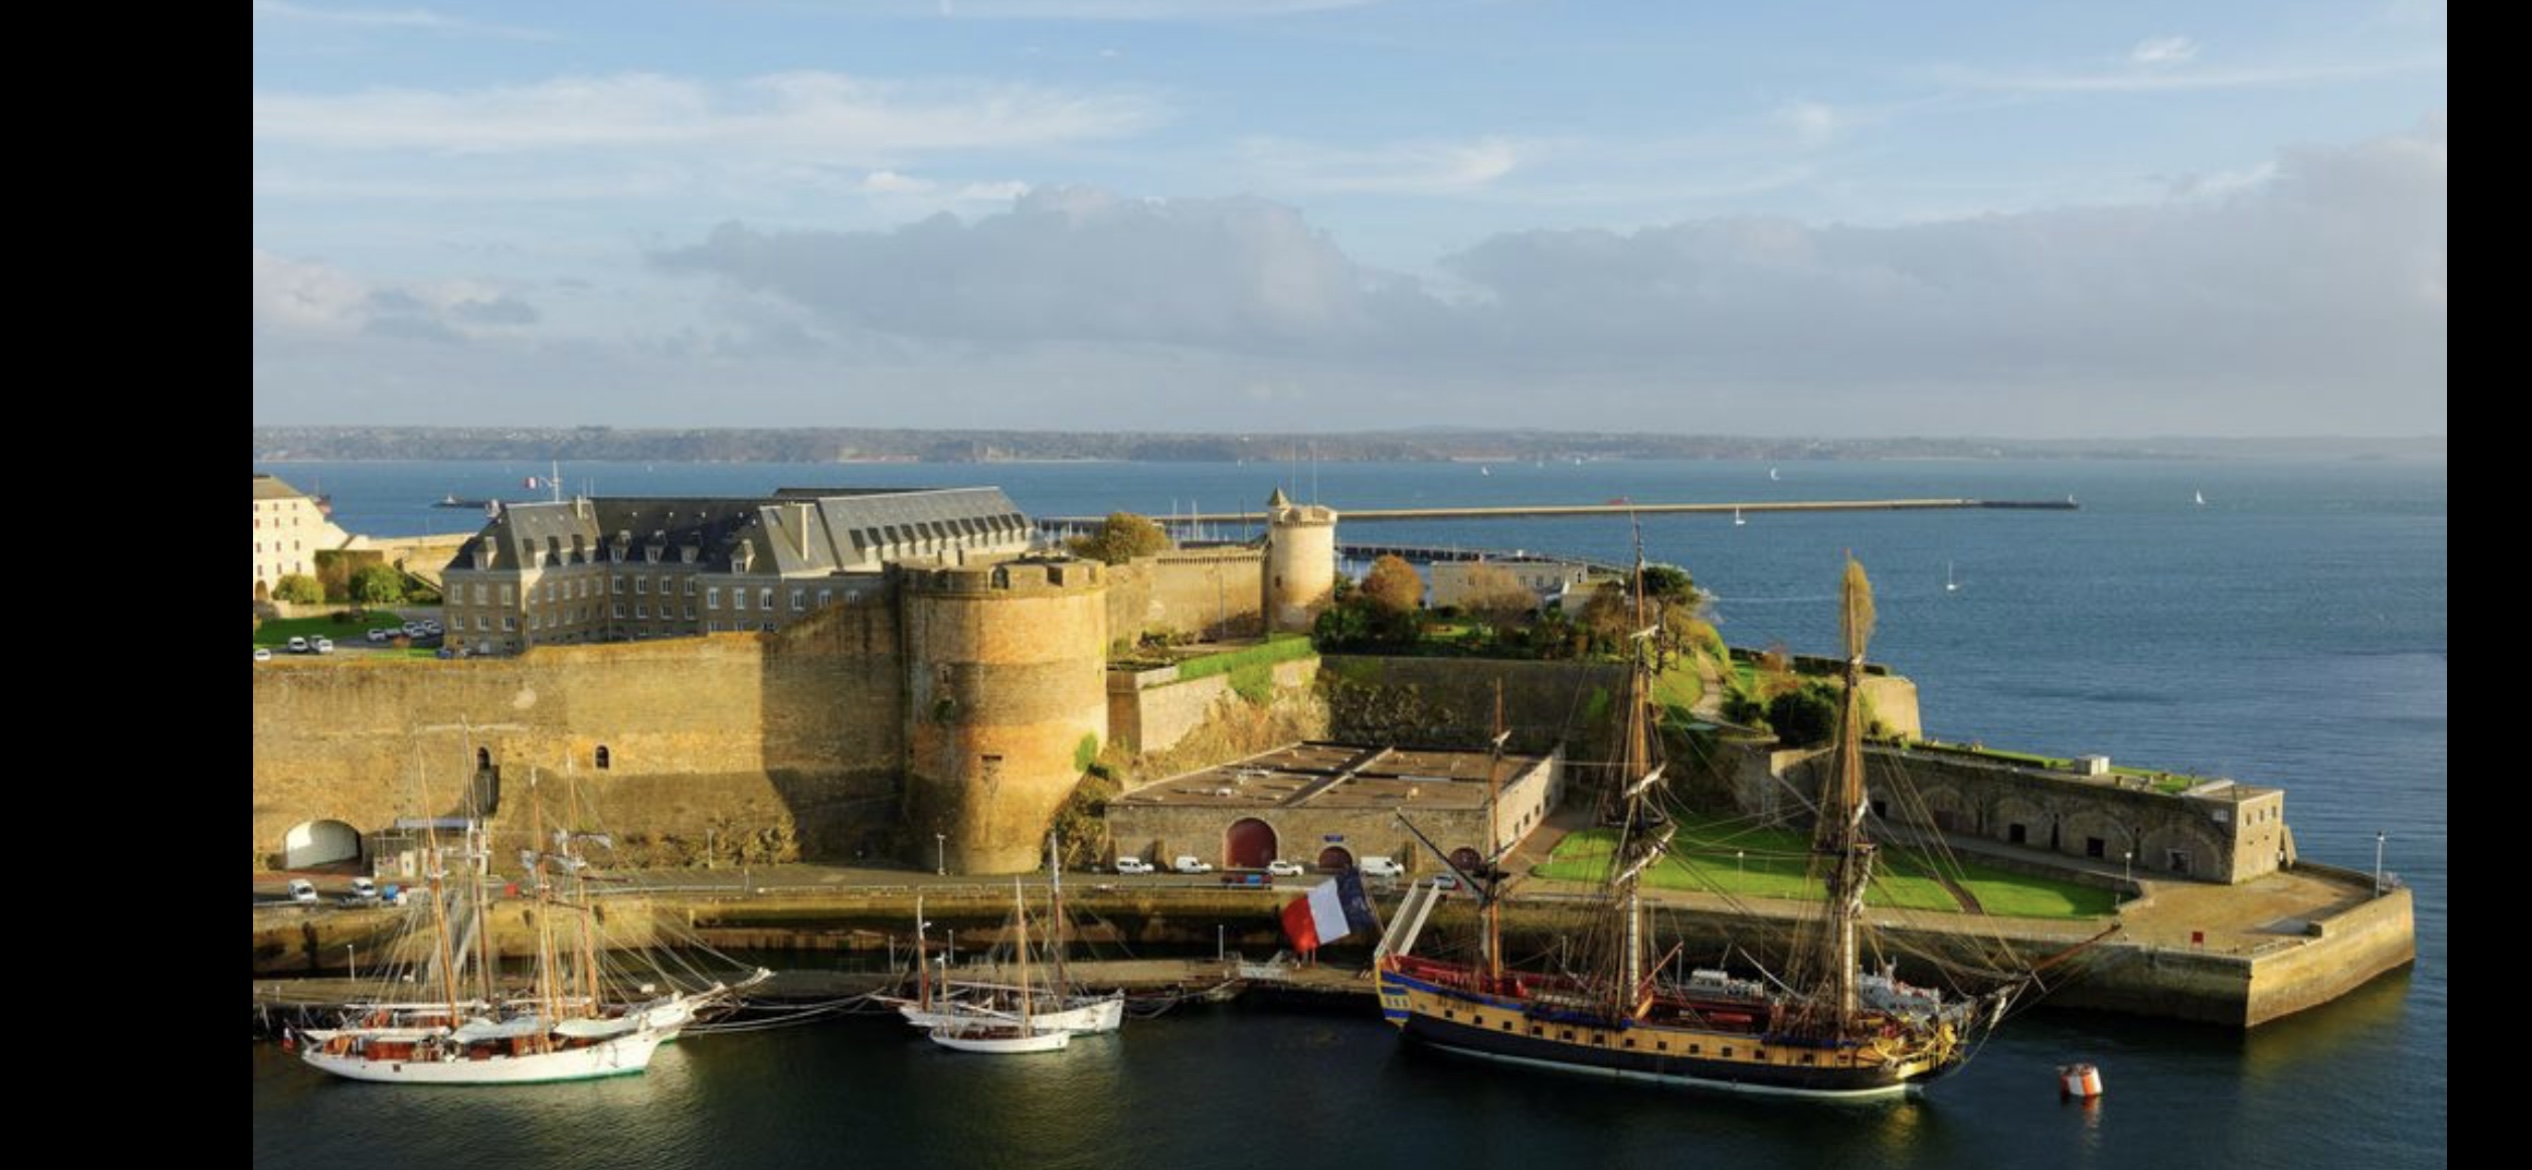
pixel 1013 1037
pixel 1737 521
pixel 453 500
pixel 1771 474
pixel 2200 498
pixel 1949 585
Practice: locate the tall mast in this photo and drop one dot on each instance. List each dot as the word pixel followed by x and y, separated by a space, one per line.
pixel 544 901
pixel 1055 909
pixel 439 921
pixel 580 897
pixel 1492 942
pixel 1639 772
pixel 922 960
pixel 1020 908
pixel 1839 837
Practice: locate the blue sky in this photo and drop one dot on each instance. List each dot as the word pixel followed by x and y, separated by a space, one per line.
pixel 2011 219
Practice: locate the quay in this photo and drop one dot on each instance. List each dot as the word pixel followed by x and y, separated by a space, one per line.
pixel 1612 508
pixel 2233 956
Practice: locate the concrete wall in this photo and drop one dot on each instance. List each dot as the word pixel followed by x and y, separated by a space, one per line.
pixel 783 744
pixel 2367 938
pixel 1450 702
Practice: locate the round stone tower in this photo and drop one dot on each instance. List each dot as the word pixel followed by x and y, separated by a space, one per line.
pixel 1300 577
pixel 1006 701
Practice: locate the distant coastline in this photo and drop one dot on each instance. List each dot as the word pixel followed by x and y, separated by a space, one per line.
pixel 277 444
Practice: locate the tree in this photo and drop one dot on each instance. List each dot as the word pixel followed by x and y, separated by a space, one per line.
pixel 377 585
pixel 1121 537
pixel 298 588
pixel 1393 586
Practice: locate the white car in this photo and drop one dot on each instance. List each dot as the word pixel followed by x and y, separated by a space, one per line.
pixel 303 891
pixel 1282 868
pixel 1187 863
pixel 263 654
pixel 1383 867
pixel 322 645
pixel 1133 865
pixel 298 645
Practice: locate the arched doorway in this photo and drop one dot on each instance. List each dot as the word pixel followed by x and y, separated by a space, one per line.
pixel 310 843
pixel 1250 844
pixel 1335 857
pixel 1466 859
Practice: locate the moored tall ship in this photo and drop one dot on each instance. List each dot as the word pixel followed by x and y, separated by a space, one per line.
pixel 1823 1027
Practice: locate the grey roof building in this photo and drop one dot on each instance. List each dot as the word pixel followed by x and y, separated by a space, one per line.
pixel 614 569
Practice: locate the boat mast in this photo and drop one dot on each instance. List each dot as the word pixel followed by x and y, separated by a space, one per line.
pixel 544 902
pixel 1637 849
pixel 573 865
pixel 1839 837
pixel 922 960
pixel 1020 920
pixel 1055 913
pixel 439 921
pixel 1492 941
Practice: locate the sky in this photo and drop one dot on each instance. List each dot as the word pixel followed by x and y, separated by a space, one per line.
pixel 2010 219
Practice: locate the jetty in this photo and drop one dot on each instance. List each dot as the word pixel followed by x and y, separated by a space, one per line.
pixel 1619 507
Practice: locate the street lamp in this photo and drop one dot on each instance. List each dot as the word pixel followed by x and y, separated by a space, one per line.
pixel 2127 866
pixel 1736 867
pixel 2378 863
pixel 351 970
pixel 940 863
pixel 1217 942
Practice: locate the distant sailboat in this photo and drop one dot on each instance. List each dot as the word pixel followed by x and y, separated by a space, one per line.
pixel 1485 471
pixel 1771 474
pixel 1949 585
pixel 1737 521
pixel 2199 497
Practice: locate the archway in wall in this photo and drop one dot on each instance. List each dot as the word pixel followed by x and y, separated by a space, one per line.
pixel 1249 844
pixel 312 843
pixel 1335 857
pixel 1466 859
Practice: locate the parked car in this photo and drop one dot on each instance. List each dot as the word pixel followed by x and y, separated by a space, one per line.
pixel 1383 867
pixel 1187 863
pixel 322 645
pixel 263 654
pixel 364 892
pixel 1133 865
pixel 1282 868
pixel 381 634
pixel 1446 881
pixel 1252 879
pixel 303 891
pixel 298 645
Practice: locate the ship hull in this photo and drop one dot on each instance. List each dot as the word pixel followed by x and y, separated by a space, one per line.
pixel 1510 1031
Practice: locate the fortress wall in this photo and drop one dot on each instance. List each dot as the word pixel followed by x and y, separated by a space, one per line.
pixel 2367 938
pixel 1006 689
pixel 1153 710
pixel 1203 593
pixel 777 742
pixel 1894 701
pixel 1450 702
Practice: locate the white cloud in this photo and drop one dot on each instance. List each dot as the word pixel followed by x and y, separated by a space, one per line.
pixel 1812 123
pixel 300 297
pixel 1406 168
pixel 2163 51
pixel 837 116
pixel 1151 10
pixel 421 19
pixel 2175 79
pixel 892 183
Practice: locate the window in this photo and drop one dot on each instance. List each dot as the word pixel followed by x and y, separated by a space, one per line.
pixel 2096 847
pixel 549 592
pixel 619 611
pixel 690 611
pixel 712 598
pixel 508 595
pixel 825 597
pixel 509 623
pixel 799 599
pixel 765 599
pixel 603 758
pixel 482 624
pixel 481 598
pixel 619 582
pixel 2017 834
pixel 690 586
pixel 738 597
pixel 641 585
pixel 642 610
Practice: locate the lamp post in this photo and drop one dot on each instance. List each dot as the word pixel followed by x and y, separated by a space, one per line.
pixel 351 970
pixel 2378 863
pixel 1736 867
pixel 2127 866
pixel 940 862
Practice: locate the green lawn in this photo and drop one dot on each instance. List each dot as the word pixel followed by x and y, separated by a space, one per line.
pixel 1721 857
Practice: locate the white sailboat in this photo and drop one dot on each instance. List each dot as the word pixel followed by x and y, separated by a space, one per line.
pixel 1057 1004
pixel 2199 498
pixel 1949 585
pixel 1737 521
pixel 1022 1034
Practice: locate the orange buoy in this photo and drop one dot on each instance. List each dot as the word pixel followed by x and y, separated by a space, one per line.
pixel 2079 1080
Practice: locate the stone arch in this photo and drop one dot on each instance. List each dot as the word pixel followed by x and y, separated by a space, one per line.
pixel 1466 859
pixel 1336 857
pixel 2180 851
pixel 2020 821
pixel 1942 806
pixel 1249 844
pixel 2096 834
pixel 319 842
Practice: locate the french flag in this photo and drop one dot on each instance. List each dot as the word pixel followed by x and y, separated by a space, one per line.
pixel 1334 909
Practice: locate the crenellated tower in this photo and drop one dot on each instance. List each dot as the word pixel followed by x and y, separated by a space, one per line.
pixel 1300 577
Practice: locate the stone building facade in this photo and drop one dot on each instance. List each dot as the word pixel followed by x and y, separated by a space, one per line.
pixel 290 528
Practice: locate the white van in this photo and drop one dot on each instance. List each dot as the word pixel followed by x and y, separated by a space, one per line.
pixel 1190 863
pixel 302 890
pixel 1133 865
pixel 1383 867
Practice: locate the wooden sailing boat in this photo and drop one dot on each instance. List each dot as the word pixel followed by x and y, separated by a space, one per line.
pixel 1827 1030
pixel 1020 1034
pixel 569 1027
pixel 1058 1002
